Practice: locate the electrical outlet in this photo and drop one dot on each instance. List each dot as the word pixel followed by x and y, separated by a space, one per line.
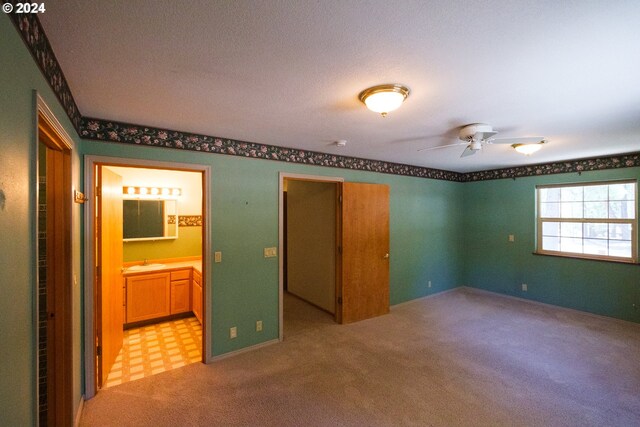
pixel 429 285
pixel 512 238
pixel 217 256
pixel 524 287
pixel 258 325
pixel 270 252
pixel 233 332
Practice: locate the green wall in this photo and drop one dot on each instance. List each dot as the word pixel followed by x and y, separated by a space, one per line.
pixel 425 222
pixel 495 209
pixel 188 244
pixel 447 233
pixel 19 77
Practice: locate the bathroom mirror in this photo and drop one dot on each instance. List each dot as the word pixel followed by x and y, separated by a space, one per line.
pixel 149 219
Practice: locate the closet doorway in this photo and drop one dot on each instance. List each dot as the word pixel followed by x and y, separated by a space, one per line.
pixel 334 246
pixel 310 252
pixel 146 291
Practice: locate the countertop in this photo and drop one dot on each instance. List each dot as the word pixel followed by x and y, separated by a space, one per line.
pixel 166 267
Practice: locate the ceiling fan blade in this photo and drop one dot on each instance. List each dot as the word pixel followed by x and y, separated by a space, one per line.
pixel 468 152
pixel 521 140
pixel 442 146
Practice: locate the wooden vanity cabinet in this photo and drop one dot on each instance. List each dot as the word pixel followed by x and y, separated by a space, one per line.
pixel 155 295
pixel 197 295
pixel 148 296
pixel 180 291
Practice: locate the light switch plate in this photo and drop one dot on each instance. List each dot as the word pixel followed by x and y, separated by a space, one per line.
pixel 512 238
pixel 217 256
pixel 270 252
pixel 233 332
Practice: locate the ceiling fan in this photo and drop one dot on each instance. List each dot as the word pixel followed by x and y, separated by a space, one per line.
pixel 476 135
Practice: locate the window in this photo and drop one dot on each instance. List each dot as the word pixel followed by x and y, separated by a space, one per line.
pixel 595 220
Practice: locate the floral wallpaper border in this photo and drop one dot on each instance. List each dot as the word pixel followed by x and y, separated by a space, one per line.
pixel 32 33
pixel 189 220
pixel 112 131
pixel 581 165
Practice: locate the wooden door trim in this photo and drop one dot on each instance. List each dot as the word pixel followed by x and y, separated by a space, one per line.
pixel 90 162
pixel 301 177
pixel 50 133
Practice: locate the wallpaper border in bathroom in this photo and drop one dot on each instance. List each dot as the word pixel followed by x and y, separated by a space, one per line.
pixel 189 220
pixel 31 31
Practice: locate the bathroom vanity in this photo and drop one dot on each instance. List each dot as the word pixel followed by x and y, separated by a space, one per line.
pixel 158 291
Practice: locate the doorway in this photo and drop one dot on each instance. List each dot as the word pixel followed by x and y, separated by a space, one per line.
pixel 149 235
pixel 54 271
pixel 310 252
pixel 361 248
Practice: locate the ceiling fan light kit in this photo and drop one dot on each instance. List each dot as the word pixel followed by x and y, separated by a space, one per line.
pixel 476 135
pixel 528 149
pixel 384 98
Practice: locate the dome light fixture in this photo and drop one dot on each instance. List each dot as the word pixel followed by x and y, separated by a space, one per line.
pixel 384 98
pixel 528 149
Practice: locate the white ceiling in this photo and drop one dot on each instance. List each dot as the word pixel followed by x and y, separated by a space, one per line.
pixel 288 72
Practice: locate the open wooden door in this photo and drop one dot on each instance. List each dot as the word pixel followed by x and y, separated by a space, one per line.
pixel 109 303
pixel 54 271
pixel 364 280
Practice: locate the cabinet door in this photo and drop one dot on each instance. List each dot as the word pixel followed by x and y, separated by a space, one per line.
pixel 148 297
pixel 180 293
pixel 197 301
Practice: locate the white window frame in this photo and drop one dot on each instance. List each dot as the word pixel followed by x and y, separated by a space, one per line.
pixel 634 223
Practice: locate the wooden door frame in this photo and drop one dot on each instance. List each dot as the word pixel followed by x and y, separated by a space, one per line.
pixel 90 163
pixel 302 177
pixel 56 139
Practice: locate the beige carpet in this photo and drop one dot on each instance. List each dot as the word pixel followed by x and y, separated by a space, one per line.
pixel 459 358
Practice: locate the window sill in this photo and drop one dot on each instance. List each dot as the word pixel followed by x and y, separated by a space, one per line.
pixel 586 258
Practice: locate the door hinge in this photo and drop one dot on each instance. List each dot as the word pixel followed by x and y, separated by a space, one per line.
pixel 339 249
pixel 339 300
pixel 99 351
pixel 99 271
pixel 340 198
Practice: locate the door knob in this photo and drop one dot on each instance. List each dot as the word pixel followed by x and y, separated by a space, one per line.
pixel 386 256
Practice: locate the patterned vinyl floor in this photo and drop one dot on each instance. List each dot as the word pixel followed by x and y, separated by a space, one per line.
pixel 152 349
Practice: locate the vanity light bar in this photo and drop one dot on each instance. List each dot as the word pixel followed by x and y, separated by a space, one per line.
pixel 157 192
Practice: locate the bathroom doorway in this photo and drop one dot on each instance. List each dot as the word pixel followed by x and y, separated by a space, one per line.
pixel 149 236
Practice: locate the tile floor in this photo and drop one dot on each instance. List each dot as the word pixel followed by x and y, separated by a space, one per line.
pixel 152 349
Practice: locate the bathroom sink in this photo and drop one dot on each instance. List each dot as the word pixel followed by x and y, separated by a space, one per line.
pixel 145 267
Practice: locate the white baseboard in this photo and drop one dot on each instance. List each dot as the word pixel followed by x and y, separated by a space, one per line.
pixel 76 422
pixel 425 297
pixel 242 350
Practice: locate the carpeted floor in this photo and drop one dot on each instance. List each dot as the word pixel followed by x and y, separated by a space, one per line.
pixel 458 358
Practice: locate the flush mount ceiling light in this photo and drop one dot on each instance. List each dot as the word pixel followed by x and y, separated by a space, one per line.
pixel 528 149
pixel 384 98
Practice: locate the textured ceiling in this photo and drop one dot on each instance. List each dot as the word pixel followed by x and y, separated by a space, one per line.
pixel 288 73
